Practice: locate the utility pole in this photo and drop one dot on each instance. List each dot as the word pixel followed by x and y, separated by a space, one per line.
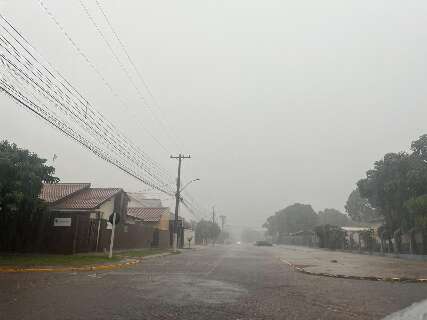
pixel 113 229
pixel 222 217
pixel 213 214
pixel 177 199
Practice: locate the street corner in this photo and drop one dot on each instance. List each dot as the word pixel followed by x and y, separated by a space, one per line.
pixel 331 268
pixel 304 270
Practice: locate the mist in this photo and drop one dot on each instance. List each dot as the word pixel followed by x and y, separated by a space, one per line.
pixel 276 101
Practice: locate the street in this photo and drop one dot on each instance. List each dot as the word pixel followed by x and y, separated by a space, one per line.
pixel 221 282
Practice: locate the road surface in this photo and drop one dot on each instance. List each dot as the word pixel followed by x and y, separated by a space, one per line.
pixel 222 282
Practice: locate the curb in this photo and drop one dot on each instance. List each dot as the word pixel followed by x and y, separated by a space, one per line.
pixel 101 267
pixel 343 276
pixel 73 269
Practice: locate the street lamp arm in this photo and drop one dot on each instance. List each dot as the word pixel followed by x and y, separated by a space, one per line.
pixel 188 183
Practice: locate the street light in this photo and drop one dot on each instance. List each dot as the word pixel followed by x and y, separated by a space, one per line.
pixel 188 183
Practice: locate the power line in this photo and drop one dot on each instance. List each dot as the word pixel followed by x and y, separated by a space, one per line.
pixel 97 71
pixel 132 63
pixel 68 87
pixel 58 92
pixel 42 91
pixel 46 91
pixel 19 98
pixel 108 127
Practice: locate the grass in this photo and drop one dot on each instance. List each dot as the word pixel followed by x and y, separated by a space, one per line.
pixel 23 260
pixel 44 260
pixel 141 252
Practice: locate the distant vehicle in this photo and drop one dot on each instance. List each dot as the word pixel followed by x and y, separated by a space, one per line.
pixel 263 243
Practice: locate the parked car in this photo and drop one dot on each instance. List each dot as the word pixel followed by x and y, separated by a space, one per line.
pixel 263 243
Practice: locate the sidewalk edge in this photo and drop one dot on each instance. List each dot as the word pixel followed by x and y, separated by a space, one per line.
pixel 343 276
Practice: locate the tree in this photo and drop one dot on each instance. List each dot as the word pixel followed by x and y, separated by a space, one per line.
pixel 359 209
pixel 387 187
pixel 296 217
pixel 22 175
pixel 417 217
pixel 206 230
pixel 331 237
pixel 394 180
pixel 333 217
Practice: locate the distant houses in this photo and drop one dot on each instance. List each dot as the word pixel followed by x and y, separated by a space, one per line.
pixel 77 220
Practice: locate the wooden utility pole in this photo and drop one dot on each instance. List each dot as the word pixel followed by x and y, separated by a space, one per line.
pixel 177 199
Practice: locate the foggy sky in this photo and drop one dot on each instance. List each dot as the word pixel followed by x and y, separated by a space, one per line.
pixel 277 101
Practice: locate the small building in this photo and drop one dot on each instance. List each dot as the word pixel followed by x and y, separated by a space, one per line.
pixel 302 238
pixel 139 200
pixel 157 220
pixel 77 217
pixel 354 238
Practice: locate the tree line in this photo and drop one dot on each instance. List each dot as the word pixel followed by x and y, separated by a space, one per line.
pixel 393 193
pixel 396 188
pixel 301 217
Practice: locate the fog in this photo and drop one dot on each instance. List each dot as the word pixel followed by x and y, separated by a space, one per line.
pixel 276 101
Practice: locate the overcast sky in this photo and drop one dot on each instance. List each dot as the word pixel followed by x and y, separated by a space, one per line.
pixel 277 101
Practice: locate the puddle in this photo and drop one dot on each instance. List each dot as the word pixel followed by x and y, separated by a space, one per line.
pixel 186 290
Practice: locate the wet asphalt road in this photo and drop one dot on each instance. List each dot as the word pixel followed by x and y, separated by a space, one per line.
pixel 230 282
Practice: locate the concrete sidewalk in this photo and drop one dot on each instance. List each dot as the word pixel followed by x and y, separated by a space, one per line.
pixel 352 265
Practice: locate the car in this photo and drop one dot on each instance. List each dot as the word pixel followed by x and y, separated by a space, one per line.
pixel 263 243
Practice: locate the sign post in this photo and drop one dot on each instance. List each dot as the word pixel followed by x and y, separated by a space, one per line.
pixel 110 254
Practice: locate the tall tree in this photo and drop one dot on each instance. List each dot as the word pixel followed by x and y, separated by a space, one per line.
pixel 296 217
pixel 333 217
pixel 395 180
pixel 387 187
pixel 206 230
pixel 359 209
pixel 417 219
pixel 22 174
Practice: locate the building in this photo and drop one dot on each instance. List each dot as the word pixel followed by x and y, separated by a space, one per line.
pixel 139 200
pixel 77 217
pixel 157 220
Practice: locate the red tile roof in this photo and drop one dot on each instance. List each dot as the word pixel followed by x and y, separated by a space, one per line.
pixel 90 198
pixel 147 214
pixel 52 192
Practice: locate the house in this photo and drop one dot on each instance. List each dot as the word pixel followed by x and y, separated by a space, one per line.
pixel 139 200
pixel 354 237
pixel 303 238
pixel 133 233
pixel 153 215
pixel 155 219
pixel 77 217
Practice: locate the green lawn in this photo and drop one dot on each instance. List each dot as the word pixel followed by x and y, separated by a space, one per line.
pixel 141 252
pixel 23 260
pixel 44 260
